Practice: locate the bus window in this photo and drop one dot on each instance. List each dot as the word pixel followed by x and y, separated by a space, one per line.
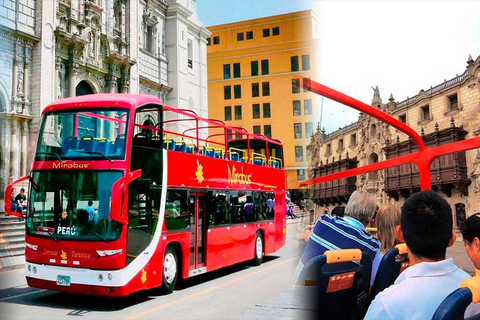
pixel 177 214
pixel 139 219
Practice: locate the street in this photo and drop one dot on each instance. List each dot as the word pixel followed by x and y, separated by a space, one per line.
pixel 237 292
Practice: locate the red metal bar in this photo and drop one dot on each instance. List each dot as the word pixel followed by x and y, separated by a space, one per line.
pixel 422 159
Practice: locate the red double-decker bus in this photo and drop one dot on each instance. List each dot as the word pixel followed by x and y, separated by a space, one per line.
pixel 127 194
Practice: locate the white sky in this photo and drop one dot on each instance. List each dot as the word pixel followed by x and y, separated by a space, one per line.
pixel 401 46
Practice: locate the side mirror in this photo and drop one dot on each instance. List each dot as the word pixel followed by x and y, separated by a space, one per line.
pixel 118 191
pixel 10 207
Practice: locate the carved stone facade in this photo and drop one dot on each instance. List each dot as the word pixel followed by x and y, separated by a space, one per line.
pixel 57 49
pixel 445 113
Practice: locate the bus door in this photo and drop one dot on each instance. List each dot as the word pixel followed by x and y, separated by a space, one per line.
pixel 198 233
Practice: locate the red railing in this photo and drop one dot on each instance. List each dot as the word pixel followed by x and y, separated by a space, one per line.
pixel 422 159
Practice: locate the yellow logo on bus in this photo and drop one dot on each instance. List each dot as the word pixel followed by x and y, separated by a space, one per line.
pixel 63 255
pixel 235 177
pixel 199 173
pixel 144 276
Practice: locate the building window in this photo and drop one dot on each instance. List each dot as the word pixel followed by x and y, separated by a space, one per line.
pixel 403 118
pixel 307 105
pixel 306 62
pixel 238 112
pixel 227 92
pixel 237 91
pixel 297 108
pixel 256 111
pixel 257 130
pixel 308 129
pixel 294 63
pixel 295 85
pixel 297 129
pixel 453 100
pixel 190 54
pixel 236 70
pixel 249 35
pixel 228 113
pixel 216 40
pixel 353 140
pixel 340 145
pixel 266 33
pixel 240 36
pixel 209 41
pixel 307 154
pixel 266 110
pixel 300 174
pixel 265 88
pixel 255 90
pixel 275 31
pixel 254 67
pixel 265 67
pixel 267 131
pixel 328 150
pixel 373 130
pixel 425 113
pixel 226 71
pixel 299 154
pixel 149 42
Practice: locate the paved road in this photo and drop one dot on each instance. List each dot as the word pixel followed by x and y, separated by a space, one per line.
pixel 237 292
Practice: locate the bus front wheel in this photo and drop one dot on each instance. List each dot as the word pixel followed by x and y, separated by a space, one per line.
pixel 257 260
pixel 170 270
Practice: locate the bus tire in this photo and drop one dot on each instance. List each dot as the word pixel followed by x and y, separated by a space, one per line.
pixel 170 270
pixel 259 253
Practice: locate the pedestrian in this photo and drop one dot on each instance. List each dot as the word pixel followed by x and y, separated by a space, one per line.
pixel 13 204
pixel 21 200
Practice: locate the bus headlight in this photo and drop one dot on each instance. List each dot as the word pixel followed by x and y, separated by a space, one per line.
pixel 29 267
pixel 34 269
pixel 100 277
pixel 31 246
pixel 110 277
pixel 103 253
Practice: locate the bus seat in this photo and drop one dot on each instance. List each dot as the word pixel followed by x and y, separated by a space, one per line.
pixel 388 270
pixel 219 154
pixel 180 146
pixel 259 161
pixel 455 304
pixel 244 159
pixel 100 145
pixel 191 148
pixel 118 145
pixel 169 144
pixel 340 281
pixel 141 139
pixel 234 156
pixel 69 143
pixel 157 142
pixel 210 152
pixel 86 144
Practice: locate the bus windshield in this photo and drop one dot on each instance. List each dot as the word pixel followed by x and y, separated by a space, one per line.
pixel 73 205
pixel 87 134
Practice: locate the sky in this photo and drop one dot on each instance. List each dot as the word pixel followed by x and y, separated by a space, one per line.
pixel 401 46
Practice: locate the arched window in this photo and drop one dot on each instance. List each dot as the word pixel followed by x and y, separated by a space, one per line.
pixel 373 130
pixel 372 159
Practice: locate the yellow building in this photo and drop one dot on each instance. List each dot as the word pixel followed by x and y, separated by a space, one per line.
pixel 255 71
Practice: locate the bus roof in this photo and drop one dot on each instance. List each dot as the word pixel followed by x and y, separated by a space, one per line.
pixel 104 100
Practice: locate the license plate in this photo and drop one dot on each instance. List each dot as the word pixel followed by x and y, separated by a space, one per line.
pixel 63 281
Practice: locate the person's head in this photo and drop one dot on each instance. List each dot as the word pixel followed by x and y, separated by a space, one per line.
pixel 470 230
pixel 13 190
pixel 427 225
pixel 22 191
pixel 361 206
pixel 90 203
pixel 339 211
pixel 387 220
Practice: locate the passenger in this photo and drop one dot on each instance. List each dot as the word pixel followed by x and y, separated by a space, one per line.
pixel 339 211
pixel 471 237
pixel 21 200
pixel 248 209
pixel 387 220
pixel 332 232
pixel 13 204
pixel 426 227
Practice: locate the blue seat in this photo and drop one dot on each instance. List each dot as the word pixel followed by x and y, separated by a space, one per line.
pixel 234 156
pixel 118 146
pixel 455 304
pixel 180 146
pixel 389 269
pixel 219 154
pixel 69 143
pixel 86 144
pixel 169 144
pixel 191 148
pixel 340 281
pixel 210 152
pixel 100 145
pixel 259 161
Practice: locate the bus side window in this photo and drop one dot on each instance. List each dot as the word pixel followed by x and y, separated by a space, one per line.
pixel 177 211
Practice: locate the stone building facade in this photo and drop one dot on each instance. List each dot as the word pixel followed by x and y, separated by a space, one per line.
pixel 63 48
pixel 445 113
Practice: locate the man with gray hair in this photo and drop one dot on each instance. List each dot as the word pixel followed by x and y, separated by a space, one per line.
pixel 333 233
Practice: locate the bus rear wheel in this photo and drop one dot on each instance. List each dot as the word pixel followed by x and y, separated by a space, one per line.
pixel 170 270
pixel 259 253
